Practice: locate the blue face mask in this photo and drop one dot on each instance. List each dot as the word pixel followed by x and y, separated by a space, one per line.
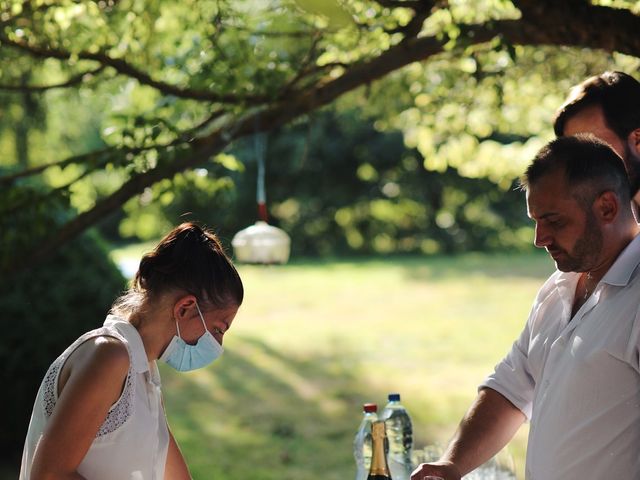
pixel 184 357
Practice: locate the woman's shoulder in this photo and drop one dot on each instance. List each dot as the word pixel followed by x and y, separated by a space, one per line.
pixel 101 361
pixel 107 348
pixel 103 354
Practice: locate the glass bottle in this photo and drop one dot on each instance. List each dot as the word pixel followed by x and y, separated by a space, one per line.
pixel 379 469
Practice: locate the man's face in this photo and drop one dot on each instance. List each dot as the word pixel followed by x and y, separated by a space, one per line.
pixel 591 120
pixel 571 235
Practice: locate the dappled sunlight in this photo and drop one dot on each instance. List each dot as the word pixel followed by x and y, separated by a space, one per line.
pixel 315 340
pixel 277 401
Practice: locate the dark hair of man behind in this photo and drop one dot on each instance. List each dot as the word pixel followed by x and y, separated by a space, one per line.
pixel 617 93
pixel 590 167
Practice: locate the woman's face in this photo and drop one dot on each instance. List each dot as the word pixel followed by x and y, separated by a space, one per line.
pixel 217 321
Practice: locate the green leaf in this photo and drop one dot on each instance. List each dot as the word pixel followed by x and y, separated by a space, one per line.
pixel 337 16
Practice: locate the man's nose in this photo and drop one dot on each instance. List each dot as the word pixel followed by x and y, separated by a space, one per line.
pixel 542 238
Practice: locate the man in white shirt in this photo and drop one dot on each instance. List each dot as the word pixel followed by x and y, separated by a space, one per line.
pixel 574 372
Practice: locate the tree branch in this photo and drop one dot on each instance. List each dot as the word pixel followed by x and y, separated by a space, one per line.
pixel 91 156
pixel 203 148
pixel 72 81
pixel 43 197
pixel 188 135
pixel 413 4
pixel 275 34
pixel 304 69
pixel 536 8
pixel 124 68
pixel 595 27
pixel 414 27
pixel 103 156
pixel 610 30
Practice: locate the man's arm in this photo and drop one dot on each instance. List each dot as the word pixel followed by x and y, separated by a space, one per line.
pixel 486 428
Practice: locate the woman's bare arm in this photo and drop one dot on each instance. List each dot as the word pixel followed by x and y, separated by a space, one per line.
pixel 90 383
pixel 176 468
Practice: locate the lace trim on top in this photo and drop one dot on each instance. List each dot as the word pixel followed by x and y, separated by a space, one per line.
pixel 119 412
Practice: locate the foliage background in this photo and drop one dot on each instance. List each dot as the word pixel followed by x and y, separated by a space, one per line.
pixel 388 128
pixel 147 109
pixel 42 313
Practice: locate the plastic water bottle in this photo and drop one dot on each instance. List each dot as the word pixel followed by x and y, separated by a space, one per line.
pixel 400 435
pixel 362 443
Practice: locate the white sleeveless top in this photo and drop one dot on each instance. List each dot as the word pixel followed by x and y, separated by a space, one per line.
pixel 132 442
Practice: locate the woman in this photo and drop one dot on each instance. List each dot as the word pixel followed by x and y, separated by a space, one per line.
pixel 99 413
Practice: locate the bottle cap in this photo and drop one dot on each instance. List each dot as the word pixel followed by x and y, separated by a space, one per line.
pixel 394 397
pixel 370 407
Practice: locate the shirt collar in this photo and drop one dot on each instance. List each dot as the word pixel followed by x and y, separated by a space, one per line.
pixel 620 272
pixel 139 360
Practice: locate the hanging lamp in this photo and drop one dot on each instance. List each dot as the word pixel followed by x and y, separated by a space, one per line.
pixel 261 243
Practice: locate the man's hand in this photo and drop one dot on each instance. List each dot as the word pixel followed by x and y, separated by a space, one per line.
pixel 432 471
pixel 485 429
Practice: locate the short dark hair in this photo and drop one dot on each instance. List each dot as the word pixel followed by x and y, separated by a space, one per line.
pixel 191 258
pixel 616 93
pixel 590 167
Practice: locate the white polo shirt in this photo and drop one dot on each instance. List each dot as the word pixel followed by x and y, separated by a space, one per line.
pixel 578 379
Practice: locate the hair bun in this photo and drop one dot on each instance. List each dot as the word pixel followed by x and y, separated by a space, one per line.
pixel 192 259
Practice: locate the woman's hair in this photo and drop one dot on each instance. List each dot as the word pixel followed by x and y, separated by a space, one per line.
pixel 191 259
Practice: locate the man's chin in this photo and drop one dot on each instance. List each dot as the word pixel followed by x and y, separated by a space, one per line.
pixel 564 266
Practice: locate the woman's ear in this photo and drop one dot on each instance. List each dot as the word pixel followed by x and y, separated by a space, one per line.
pixel 184 307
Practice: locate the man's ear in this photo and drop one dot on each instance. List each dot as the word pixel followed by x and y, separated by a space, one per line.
pixel 184 307
pixel 607 206
pixel 633 141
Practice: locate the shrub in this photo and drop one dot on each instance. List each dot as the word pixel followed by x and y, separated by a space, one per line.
pixel 43 310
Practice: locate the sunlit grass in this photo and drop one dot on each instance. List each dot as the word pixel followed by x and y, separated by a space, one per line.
pixel 314 340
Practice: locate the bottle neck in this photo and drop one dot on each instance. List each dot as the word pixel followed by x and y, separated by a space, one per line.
pixel 379 459
pixel 393 404
pixel 371 416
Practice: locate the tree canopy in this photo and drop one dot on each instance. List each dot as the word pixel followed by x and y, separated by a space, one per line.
pixel 175 84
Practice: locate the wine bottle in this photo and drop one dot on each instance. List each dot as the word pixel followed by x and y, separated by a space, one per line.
pixel 379 468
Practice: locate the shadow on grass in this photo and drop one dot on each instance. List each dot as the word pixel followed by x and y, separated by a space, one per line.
pixel 263 415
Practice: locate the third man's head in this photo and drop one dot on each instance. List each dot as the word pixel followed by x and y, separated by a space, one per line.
pixel 607 106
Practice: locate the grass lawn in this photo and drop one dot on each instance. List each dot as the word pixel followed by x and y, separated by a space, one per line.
pixel 316 339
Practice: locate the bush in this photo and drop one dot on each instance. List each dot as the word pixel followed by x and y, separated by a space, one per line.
pixel 45 309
